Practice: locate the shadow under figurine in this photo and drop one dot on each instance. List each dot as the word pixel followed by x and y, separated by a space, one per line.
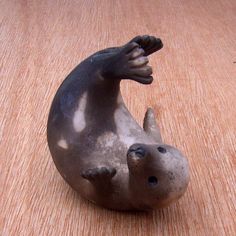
pixel 96 144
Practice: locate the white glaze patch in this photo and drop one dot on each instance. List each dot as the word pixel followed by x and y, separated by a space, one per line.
pixel 62 143
pixel 79 122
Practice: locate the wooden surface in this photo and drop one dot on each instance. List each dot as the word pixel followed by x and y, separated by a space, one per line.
pixel 193 96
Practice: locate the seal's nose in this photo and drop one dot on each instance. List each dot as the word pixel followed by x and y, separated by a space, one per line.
pixel 137 151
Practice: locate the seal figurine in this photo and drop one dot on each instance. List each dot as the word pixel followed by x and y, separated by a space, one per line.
pixel 96 144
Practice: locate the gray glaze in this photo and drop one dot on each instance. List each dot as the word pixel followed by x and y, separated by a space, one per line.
pixel 96 144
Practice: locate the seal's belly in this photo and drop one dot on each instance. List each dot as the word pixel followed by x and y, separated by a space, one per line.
pixel 82 146
pixel 111 146
pixel 126 131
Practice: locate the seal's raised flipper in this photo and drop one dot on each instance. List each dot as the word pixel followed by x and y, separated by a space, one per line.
pixel 99 175
pixel 150 126
pixel 150 44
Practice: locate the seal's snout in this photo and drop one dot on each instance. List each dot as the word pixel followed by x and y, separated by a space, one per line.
pixel 136 151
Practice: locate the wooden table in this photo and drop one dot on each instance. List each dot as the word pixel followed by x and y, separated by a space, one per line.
pixel 193 94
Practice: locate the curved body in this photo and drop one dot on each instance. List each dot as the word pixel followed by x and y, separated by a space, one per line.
pixel 94 140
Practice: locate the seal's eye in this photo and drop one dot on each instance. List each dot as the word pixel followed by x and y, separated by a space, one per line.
pixel 161 149
pixel 152 180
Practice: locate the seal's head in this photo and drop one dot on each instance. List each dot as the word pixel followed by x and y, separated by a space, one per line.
pixel 158 175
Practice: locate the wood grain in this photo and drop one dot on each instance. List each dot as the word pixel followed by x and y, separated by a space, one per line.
pixel 193 95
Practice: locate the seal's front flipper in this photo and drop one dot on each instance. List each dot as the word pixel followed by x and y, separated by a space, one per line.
pixel 150 44
pixel 99 175
pixel 150 126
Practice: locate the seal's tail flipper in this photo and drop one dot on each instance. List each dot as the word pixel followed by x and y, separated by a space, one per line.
pixel 130 61
pixel 149 44
pixel 150 126
pixel 99 175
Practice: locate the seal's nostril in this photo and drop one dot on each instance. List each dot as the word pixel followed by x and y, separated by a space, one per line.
pixel 140 152
pixel 152 180
pixel 161 149
pixel 137 151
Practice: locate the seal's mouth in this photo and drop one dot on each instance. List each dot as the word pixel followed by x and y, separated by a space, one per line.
pixel 136 152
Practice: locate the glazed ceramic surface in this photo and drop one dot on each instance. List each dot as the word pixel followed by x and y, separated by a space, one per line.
pixel 96 144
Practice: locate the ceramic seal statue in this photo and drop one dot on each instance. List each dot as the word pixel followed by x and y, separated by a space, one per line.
pixel 96 144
